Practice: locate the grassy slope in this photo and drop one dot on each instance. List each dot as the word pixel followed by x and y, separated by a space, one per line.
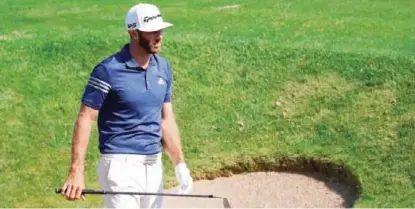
pixel 343 73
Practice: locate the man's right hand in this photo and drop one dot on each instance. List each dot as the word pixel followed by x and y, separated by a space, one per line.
pixel 72 189
pixel 74 183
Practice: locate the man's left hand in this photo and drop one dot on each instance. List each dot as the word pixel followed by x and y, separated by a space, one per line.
pixel 184 178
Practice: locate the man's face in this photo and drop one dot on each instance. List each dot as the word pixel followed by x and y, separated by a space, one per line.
pixel 150 41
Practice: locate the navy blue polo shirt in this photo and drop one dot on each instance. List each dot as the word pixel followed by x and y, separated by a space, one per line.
pixel 129 100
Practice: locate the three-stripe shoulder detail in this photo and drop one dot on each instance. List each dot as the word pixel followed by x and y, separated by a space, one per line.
pixel 99 84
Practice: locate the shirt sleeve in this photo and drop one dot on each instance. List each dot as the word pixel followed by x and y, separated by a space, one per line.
pixel 168 96
pixel 97 88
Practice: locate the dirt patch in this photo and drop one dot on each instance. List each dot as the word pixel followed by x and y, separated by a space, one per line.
pixel 9 98
pixel 373 103
pixel 50 11
pixel 296 94
pixel 274 182
pixel 14 36
pixel 235 6
pixel 3 37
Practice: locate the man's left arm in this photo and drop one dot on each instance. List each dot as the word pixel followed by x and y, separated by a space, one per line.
pixel 171 140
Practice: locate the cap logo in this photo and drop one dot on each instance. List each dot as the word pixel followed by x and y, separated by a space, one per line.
pixel 132 25
pixel 149 18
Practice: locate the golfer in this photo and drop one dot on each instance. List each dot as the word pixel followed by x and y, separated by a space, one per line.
pixel 130 92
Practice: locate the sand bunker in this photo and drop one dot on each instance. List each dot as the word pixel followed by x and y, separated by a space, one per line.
pixel 268 189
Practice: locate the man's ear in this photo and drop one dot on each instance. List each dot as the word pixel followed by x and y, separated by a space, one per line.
pixel 134 34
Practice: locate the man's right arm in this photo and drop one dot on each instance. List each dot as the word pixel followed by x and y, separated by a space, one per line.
pixel 75 181
pixel 96 91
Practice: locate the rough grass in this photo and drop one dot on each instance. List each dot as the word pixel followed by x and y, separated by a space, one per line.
pixel 318 79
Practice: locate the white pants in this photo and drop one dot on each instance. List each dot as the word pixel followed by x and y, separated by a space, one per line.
pixel 135 173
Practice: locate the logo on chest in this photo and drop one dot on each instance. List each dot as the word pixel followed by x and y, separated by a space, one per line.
pixel 161 82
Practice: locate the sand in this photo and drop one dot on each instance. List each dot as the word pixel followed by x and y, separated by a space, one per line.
pixel 267 190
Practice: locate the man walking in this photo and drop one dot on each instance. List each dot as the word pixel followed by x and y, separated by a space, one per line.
pixel 130 92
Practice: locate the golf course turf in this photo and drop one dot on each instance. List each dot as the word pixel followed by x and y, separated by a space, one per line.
pixel 268 80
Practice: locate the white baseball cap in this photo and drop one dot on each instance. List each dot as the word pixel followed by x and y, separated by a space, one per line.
pixel 145 17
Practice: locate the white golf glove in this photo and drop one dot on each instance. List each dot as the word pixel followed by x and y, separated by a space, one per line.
pixel 184 178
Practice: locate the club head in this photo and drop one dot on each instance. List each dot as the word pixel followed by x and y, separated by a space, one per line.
pixel 226 203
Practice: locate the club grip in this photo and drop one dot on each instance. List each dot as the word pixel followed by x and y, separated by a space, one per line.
pixel 85 191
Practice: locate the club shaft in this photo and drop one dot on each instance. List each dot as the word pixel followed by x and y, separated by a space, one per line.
pixel 103 192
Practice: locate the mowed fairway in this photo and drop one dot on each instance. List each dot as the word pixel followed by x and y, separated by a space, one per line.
pixel 317 78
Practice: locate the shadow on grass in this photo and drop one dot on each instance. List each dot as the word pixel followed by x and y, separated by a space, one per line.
pixel 336 176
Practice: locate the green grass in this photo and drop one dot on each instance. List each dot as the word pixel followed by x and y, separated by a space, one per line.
pixel 342 72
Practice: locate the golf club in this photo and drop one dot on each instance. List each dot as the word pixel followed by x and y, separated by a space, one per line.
pixel 226 203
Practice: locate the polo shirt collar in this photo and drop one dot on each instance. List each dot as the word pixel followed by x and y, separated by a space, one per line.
pixel 130 62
